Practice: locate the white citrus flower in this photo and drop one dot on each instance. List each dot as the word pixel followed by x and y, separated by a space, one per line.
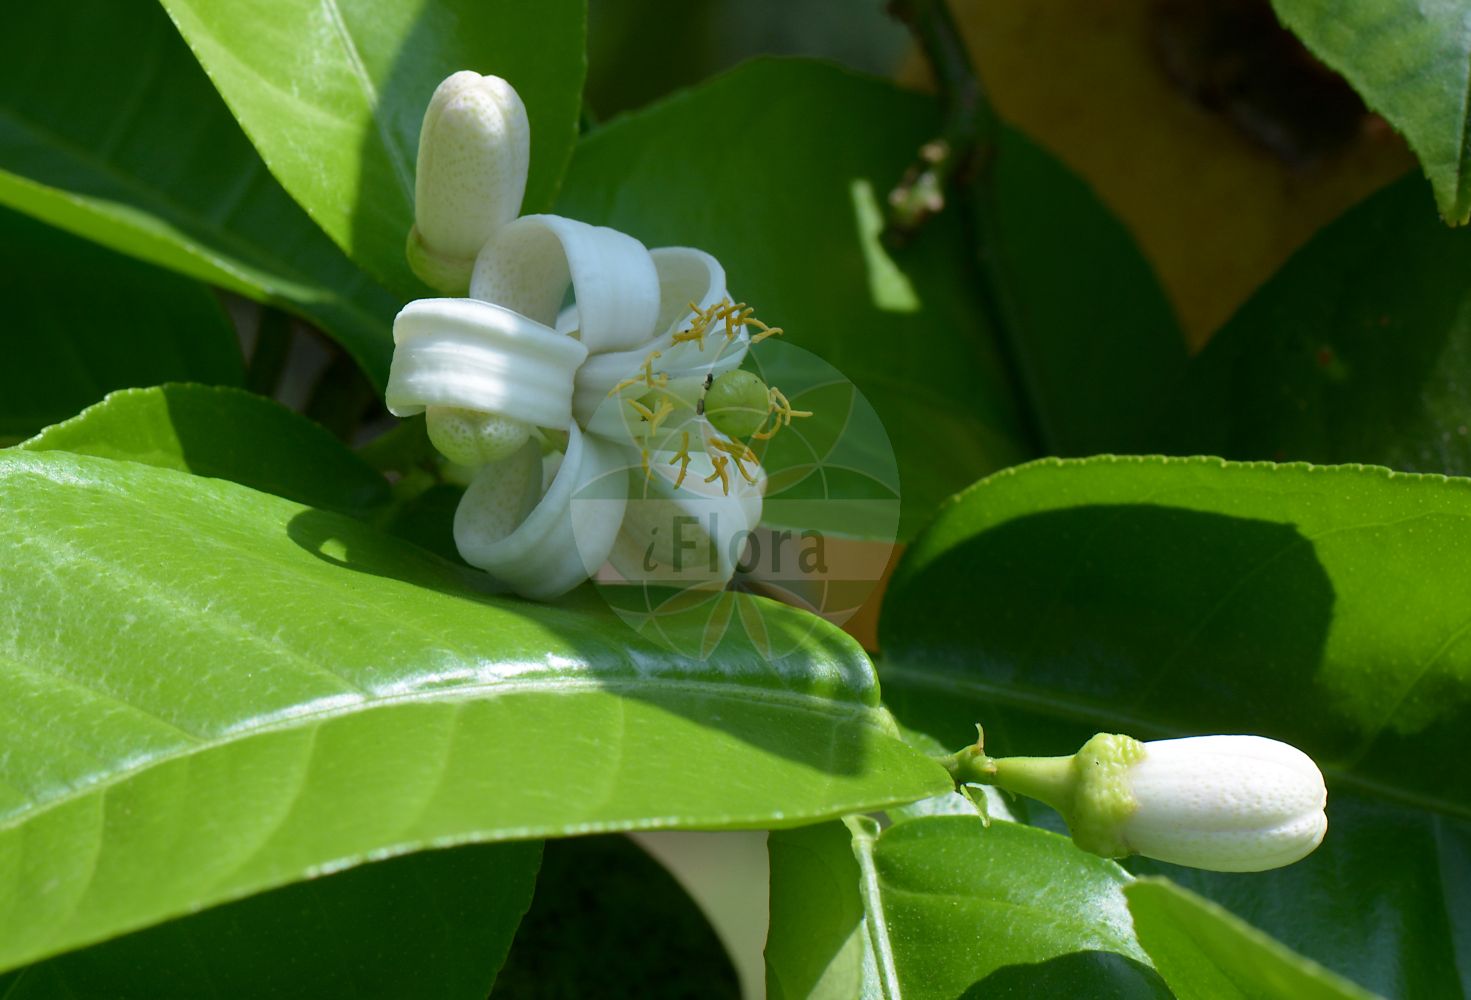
pixel 506 372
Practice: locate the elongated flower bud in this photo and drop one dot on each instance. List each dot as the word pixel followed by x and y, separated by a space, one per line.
pixel 474 150
pixel 1222 803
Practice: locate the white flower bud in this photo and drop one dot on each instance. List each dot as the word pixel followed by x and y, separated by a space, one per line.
pixel 1225 803
pixel 1222 803
pixel 474 150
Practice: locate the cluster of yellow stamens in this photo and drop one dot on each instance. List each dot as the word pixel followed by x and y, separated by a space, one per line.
pixel 729 318
pixel 646 375
pixel 780 415
pixel 737 450
pixel 734 316
pixel 682 457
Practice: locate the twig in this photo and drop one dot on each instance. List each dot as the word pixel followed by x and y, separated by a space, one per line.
pixel 961 153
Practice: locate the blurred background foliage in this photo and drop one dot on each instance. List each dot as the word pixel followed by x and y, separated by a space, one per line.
pixel 1187 117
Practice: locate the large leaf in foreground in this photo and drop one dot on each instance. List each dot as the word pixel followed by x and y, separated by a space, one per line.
pixel 332 94
pixel 433 923
pixel 225 433
pixel 1325 606
pixel 1411 61
pixel 780 169
pixel 1357 350
pixel 109 129
pixel 81 321
pixel 208 691
pixel 947 907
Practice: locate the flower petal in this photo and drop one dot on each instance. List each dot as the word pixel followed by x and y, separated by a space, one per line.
pixel 460 352
pixel 686 276
pixel 692 535
pixel 565 538
pixel 530 263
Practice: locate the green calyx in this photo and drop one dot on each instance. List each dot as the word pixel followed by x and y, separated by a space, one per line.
pixel 1102 799
pixel 1090 789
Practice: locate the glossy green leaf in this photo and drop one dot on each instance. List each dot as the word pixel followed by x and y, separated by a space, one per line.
pixel 1205 953
pixel 227 434
pixel 791 202
pixel 332 94
pixel 953 908
pixel 207 691
pixel 608 920
pixel 1095 338
pixel 1166 597
pixel 1356 350
pixel 81 321
pixel 435 923
pixel 109 129
pixel 1411 61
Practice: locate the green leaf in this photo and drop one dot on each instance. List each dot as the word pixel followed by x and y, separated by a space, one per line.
pixel 1355 351
pixel 227 434
pixel 1410 60
pixel 1205 953
pixel 434 923
pixel 1165 597
pixel 1095 338
pixel 208 691
pixel 109 129
pixel 333 93
pixel 608 920
pixel 952 908
pixel 780 169
pixel 817 945
pixel 83 321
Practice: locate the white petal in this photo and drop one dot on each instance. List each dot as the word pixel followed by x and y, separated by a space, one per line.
pixel 460 352
pixel 499 499
pixel 565 538
pixel 474 149
pixel 685 276
pixel 530 263
pixel 1225 803
pixel 692 535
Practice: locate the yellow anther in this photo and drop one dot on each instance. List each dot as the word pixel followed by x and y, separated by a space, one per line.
pixel 736 449
pixel 643 411
pixel 682 457
pixel 661 412
pixel 780 413
pixel 783 406
pixel 646 375
pixel 719 462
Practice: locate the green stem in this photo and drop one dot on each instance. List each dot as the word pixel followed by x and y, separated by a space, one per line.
pixel 968 135
pixel 959 164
